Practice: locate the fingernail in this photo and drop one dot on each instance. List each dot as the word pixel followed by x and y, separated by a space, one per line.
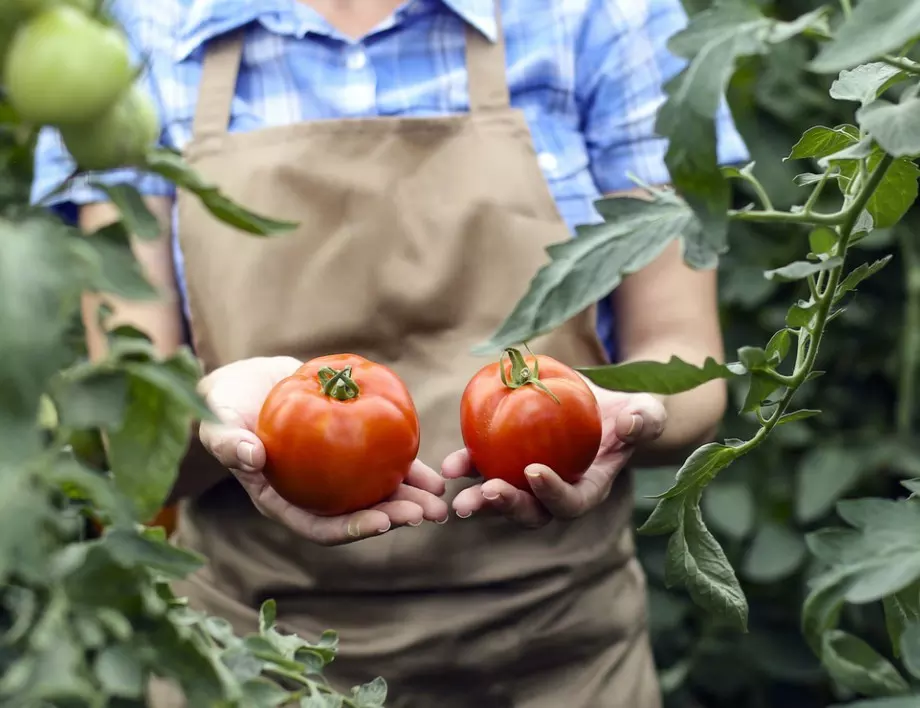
pixel 535 478
pixel 441 522
pixel 244 452
pixel 385 528
pixel 416 524
pixel 464 516
pixel 354 529
pixel 494 497
pixel 636 426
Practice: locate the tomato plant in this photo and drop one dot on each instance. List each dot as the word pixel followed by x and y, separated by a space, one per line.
pixel 526 411
pixel 64 67
pixel 87 619
pixel 340 435
pixel 859 177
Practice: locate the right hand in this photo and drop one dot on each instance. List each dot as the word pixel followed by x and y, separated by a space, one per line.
pixel 235 393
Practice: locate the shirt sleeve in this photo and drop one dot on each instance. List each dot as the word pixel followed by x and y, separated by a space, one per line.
pixel 53 164
pixel 622 66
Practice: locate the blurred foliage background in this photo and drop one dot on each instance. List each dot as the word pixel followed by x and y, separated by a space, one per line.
pixel 762 506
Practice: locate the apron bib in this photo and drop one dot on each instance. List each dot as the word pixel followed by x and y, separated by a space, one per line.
pixel 417 236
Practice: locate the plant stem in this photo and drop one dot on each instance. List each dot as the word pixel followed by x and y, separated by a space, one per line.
pixel 807 354
pixel 910 334
pixel 905 65
pixel 847 7
pixel 783 217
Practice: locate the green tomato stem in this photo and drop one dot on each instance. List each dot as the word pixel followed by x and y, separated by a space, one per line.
pixel 910 335
pixel 338 384
pixel 785 217
pixel 521 374
pixel 905 65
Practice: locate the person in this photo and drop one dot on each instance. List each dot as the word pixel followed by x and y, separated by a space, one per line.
pixel 429 150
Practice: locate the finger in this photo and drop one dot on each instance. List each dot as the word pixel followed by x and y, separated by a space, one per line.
pixel 519 506
pixel 458 464
pixel 469 501
pixel 433 508
pixel 643 420
pixel 561 499
pixel 423 477
pixel 402 512
pixel 322 530
pixel 234 447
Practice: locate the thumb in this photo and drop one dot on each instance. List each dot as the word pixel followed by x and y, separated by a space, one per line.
pixel 231 442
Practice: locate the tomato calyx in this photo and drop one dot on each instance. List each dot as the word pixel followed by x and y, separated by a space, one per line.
pixel 521 374
pixel 338 384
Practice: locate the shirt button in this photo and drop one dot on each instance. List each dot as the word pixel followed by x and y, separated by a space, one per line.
pixel 547 161
pixel 356 60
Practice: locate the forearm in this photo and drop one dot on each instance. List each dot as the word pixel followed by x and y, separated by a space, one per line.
pixel 693 416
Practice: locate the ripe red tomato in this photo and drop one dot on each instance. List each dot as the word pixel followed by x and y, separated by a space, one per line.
pixel 340 435
pixel 529 410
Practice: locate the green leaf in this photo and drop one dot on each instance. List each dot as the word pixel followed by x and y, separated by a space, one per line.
pixel 146 450
pixel 778 347
pixel 880 556
pixel 897 192
pixel 171 166
pixel 714 40
pixel 796 416
pixel 822 240
pixel 701 468
pixel 696 561
pixel 910 648
pixel 759 391
pixel 775 553
pixel 113 267
pixel 176 377
pixel 371 695
pixel 856 665
pixel 138 219
pixel 120 671
pixel 865 82
pixel 675 376
pixel 585 269
pixel 872 29
pixel 40 290
pixel 894 126
pixel 730 509
pixel 801 314
pixel 901 610
pixel 802 269
pixel 91 398
pixel 665 518
pixel 131 550
pixel 821 141
pixel 262 693
pixel 821 609
pixel 859 274
pixel 824 475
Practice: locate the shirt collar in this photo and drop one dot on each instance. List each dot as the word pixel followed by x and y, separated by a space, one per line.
pixel 206 19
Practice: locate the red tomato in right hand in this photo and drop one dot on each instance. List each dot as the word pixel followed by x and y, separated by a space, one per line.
pixel 526 411
pixel 340 435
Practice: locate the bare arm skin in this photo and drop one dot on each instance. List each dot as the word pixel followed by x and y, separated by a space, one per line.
pixel 668 309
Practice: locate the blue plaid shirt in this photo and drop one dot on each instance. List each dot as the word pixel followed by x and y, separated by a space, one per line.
pixel 587 74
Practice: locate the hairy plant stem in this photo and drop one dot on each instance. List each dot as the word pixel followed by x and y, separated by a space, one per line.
pixel 905 65
pixel 809 339
pixel 785 217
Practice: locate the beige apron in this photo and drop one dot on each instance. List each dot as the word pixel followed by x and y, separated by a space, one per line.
pixel 417 236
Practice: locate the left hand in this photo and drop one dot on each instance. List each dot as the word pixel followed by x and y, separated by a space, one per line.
pixel 628 419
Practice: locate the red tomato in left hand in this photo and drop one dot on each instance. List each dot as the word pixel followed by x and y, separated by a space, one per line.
pixel 540 411
pixel 338 445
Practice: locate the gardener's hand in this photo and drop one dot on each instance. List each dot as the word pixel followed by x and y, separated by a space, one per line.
pixel 235 393
pixel 628 421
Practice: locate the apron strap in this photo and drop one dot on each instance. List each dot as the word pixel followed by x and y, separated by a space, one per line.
pixel 219 73
pixel 486 67
pixel 485 62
